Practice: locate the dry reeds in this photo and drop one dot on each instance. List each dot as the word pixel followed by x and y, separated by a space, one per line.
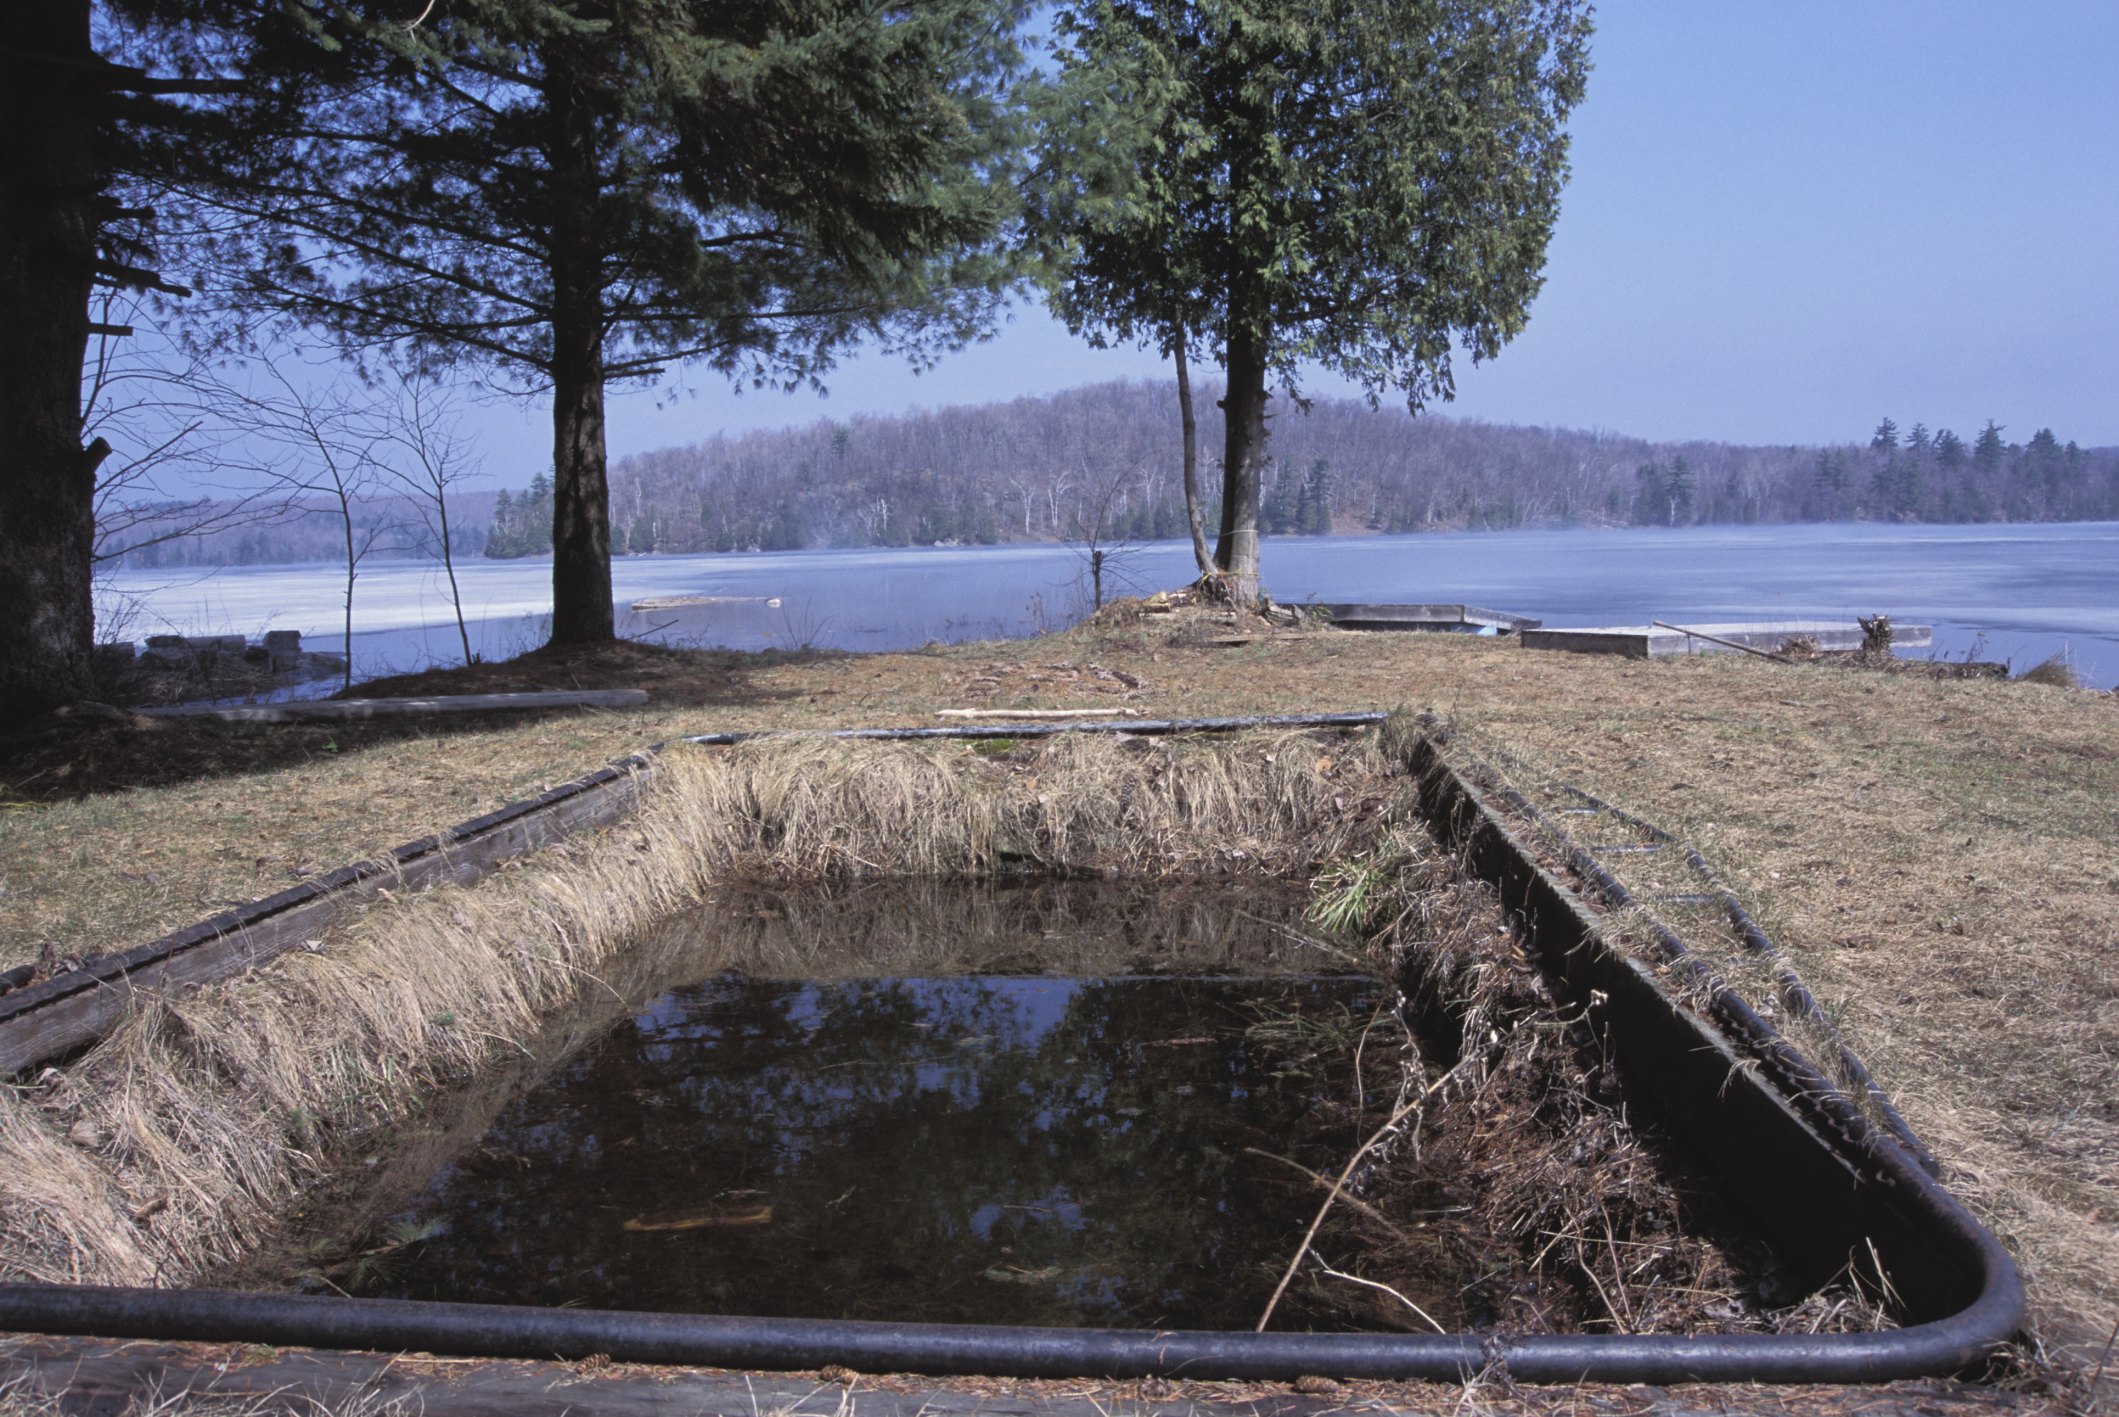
pixel 2054 672
pixel 1596 1229
pixel 172 1146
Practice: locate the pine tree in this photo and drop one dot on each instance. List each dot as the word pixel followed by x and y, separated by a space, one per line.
pixel 1988 449
pixel 571 193
pixel 87 128
pixel 1651 497
pixel 500 538
pixel 1317 499
pixel 1680 488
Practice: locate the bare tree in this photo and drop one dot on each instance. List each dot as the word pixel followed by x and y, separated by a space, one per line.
pixel 1189 428
pixel 1098 527
pixel 158 409
pixel 422 453
pixel 321 441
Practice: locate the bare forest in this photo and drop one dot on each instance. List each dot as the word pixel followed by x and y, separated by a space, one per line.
pixel 1102 464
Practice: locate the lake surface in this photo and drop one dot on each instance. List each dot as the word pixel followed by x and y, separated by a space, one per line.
pixel 2019 593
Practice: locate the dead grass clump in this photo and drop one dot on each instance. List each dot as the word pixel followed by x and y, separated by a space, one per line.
pixel 2055 672
pixel 1074 802
pixel 172 1145
pixel 1597 1220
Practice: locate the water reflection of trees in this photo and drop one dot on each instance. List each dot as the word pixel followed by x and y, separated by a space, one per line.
pixel 975 1149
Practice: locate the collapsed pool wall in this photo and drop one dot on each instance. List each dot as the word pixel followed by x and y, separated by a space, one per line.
pixel 172 1145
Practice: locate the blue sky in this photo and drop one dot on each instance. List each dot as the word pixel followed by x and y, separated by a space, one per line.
pixel 1787 219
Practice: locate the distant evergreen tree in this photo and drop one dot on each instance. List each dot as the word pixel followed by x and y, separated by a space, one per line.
pixel 522 526
pixel 1886 437
pixel 1988 449
pixel 1281 513
pixel 1680 488
pixel 1949 449
pixel 1650 497
pixel 498 545
pixel 1317 499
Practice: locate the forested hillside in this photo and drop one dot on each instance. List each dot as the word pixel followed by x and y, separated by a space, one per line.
pixel 1103 461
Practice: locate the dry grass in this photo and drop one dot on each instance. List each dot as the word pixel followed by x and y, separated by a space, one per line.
pixel 1935 855
pixel 1596 1226
pixel 2055 673
pixel 29 1397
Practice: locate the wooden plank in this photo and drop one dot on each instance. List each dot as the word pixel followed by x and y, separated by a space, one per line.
pixel 1031 714
pixel 69 1011
pixel 1718 640
pixel 332 710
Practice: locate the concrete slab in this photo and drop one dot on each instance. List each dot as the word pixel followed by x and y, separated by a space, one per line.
pixel 1462 619
pixel 1655 642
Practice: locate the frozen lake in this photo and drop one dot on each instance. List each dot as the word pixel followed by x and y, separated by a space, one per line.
pixel 2018 592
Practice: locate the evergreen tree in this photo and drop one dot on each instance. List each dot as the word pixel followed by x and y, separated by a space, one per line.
pixel 1988 449
pixel 1317 499
pixel 1830 480
pixel 1680 488
pixel 1363 187
pixel 88 127
pixel 1949 450
pixel 577 192
pixel 500 536
pixel 1282 514
pixel 1651 497
pixel 1886 437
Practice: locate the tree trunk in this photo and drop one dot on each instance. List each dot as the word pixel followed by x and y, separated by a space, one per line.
pixel 48 187
pixel 1244 454
pixel 581 514
pixel 581 498
pixel 1195 515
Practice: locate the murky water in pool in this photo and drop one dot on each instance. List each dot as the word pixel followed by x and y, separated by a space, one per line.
pixel 975 1148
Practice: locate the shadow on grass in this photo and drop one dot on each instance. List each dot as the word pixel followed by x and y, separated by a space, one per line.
pixel 86 753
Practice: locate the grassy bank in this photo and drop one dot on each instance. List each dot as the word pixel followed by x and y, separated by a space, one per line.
pixel 1939 858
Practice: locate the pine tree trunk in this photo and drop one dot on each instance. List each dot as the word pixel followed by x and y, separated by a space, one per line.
pixel 1243 460
pixel 47 255
pixel 581 514
pixel 581 500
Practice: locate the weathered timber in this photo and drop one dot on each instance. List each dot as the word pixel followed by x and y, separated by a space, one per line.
pixel 51 1018
pixel 1461 619
pixel 1726 644
pixel 1657 642
pixel 326 710
pixel 1034 713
